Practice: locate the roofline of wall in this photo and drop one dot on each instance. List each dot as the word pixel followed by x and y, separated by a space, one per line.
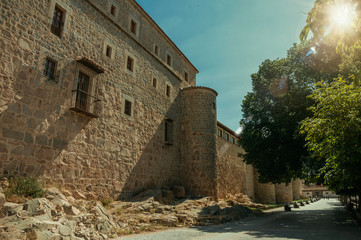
pixel 163 33
pixel 200 87
pixel 228 129
pixel 131 37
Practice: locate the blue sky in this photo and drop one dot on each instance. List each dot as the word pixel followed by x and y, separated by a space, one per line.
pixel 227 40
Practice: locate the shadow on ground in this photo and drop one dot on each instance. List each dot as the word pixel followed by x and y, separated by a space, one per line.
pixel 328 223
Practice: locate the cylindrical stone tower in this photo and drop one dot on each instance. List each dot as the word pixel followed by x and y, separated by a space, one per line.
pixel 284 193
pixel 296 189
pixel 263 193
pixel 199 141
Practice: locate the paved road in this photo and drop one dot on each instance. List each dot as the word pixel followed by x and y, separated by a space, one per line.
pixel 324 220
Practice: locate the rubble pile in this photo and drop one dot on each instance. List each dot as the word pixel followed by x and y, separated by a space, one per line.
pixel 65 215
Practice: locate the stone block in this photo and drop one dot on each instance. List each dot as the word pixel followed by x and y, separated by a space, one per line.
pixel 3 148
pixel 17 150
pixel 42 140
pixel 71 210
pixel 15 107
pixel 8 133
pixel 59 144
pixel 27 111
pixel 39 114
pixel 29 138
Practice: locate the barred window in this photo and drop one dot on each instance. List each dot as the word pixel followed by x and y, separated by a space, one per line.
pixel 128 108
pixel 57 24
pixel 49 68
pixel 130 64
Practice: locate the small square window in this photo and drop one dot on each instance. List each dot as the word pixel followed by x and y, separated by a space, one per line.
pixel 186 76
pixel 57 23
pixel 168 91
pixel 108 51
pixel 169 60
pixel 154 83
pixel 133 27
pixel 130 64
pixel 113 10
pixel 49 68
pixel 156 50
pixel 226 136
pixel 128 108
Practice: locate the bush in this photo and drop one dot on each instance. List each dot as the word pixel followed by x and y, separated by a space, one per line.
pixel 25 187
pixel 106 201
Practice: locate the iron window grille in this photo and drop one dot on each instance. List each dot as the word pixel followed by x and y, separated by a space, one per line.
pixel 57 24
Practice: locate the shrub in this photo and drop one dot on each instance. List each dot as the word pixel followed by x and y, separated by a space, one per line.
pixel 25 187
pixel 106 201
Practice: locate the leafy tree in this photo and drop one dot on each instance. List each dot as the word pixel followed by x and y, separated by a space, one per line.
pixel 333 134
pixel 334 22
pixel 272 114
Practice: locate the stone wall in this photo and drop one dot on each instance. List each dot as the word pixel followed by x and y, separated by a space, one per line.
pixel 234 176
pixel 102 149
pixel 297 189
pixel 199 146
pixel 284 193
pixel 264 193
pixel 113 154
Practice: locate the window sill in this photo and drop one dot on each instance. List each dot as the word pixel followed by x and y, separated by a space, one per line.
pixel 88 114
pixel 168 143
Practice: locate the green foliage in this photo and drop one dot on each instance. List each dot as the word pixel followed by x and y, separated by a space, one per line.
pixel 106 201
pixel 333 134
pixel 25 187
pixel 272 113
pixel 321 22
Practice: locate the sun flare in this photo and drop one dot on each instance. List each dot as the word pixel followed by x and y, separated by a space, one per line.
pixel 342 15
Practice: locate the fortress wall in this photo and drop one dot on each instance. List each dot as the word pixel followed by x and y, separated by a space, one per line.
pixel 199 146
pixel 296 189
pixel 113 154
pixel 231 170
pixel 284 193
pixel 234 176
pixel 264 193
pixel 249 186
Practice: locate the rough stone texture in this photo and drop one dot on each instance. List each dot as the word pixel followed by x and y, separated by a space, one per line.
pixel 284 193
pixel 113 154
pixel 234 176
pixel 199 146
pixel 2 200
pixel 264 193
pixel 297 189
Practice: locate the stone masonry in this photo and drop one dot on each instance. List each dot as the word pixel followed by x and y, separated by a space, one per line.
pixel 95 97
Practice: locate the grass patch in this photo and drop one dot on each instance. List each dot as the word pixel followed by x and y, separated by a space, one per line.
pixel 21 186
pixel 106 201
